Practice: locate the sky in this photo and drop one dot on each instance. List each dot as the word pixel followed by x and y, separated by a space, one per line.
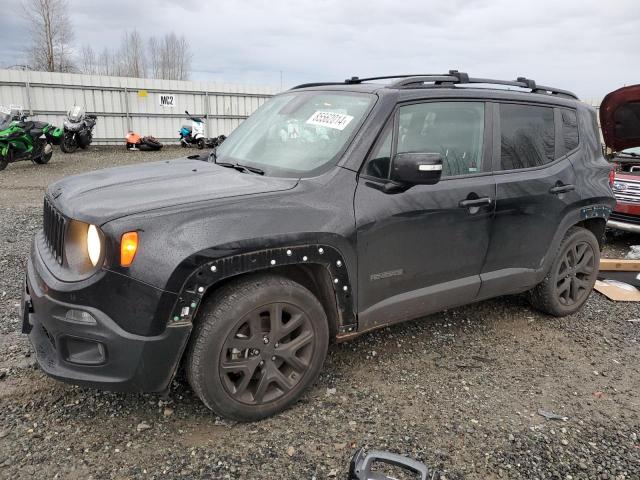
pixel 590 47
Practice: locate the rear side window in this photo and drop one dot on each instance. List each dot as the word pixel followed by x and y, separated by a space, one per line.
pixel 527 136
pixel 569 129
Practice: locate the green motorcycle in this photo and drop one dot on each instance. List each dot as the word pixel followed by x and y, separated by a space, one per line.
pixel 22 139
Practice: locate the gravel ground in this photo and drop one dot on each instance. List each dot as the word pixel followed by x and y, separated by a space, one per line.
pixel 462 391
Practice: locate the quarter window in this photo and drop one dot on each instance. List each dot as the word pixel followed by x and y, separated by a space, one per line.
pixel 569 129
pixel 527 136
pixel 380 159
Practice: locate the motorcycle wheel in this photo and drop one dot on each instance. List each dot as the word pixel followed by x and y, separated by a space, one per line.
pixel 200 143
pixel 47 153
pixel 4 161
pixel 69 144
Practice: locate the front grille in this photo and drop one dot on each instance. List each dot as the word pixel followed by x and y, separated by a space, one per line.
pixel 627 191
pixel 624 217
pixel 54 226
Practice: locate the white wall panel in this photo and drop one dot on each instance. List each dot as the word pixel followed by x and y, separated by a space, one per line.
pixel 120 103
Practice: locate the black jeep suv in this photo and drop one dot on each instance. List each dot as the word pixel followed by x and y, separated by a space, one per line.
pixel 335 209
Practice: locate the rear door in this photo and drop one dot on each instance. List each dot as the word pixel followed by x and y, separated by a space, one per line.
pixel 535 185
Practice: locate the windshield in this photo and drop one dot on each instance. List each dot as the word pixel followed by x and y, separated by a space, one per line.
pixel 76 113
pixel 5 117
pixel 631 151
pixel 296 134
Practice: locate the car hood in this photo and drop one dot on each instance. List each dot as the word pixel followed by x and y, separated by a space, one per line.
pixel 620 118
pixel 103 195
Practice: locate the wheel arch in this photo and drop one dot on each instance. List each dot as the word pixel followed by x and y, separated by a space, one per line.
pixel 593 217
pixel 319 268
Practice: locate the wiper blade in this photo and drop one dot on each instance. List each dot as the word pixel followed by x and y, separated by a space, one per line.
pixel 256 170
pixel 241 168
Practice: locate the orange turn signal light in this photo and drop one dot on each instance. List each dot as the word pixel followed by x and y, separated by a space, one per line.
pixel 128 248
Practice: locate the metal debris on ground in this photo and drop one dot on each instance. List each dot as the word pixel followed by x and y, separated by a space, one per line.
pixel 551 415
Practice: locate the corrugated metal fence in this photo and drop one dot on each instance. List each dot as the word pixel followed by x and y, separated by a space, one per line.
pixel 146 106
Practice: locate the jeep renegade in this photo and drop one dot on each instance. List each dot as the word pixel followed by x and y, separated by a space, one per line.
pixel 335 209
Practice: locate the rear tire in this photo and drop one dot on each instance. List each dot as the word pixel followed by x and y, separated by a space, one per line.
pixel 3 163
pixel 572 275
pixel 259 344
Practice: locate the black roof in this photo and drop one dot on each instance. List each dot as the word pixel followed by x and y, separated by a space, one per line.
pixel 451 79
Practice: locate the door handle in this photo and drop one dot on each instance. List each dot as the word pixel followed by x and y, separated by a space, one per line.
pixel 558 189
pixel 475 202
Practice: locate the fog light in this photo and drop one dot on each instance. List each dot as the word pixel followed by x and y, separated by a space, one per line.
pixel 80 316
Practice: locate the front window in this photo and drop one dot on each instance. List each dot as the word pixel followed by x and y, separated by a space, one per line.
pixel 297 134
pixel 455 130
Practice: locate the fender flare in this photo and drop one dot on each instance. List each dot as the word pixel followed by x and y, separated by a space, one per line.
pixel 205 277
pixel 596 210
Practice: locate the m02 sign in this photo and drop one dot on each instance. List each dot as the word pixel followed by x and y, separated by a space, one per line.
pixel 167 99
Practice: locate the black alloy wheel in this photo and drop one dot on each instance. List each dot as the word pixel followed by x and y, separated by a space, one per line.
pixel 258 344
pixel 572 274
pixel 267 353
pixel 573 280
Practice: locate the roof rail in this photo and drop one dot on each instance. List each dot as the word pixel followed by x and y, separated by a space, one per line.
pixel 316 84
pixel 453 77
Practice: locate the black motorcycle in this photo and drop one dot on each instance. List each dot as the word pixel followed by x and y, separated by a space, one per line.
pixel 78 130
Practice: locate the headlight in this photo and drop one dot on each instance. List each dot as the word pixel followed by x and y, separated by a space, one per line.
pixel 94 245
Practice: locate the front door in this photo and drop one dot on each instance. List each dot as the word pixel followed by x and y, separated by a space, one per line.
pixel 422 249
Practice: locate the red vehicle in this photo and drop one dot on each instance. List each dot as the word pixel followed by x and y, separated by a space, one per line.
pixel 620 121
pixel 626 188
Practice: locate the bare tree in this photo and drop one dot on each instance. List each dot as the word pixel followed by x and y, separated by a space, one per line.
pixel 172 56
pixel 51 35
pixel 167 57
pixel 88 61
pixel 105 63
pixel 131 56
pixel 153 56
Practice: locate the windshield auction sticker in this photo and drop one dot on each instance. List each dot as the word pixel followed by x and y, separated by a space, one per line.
pixel 339 121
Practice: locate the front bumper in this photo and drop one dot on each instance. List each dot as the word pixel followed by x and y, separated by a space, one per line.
pixel 94 350
pixel 626 216
pixel 627 227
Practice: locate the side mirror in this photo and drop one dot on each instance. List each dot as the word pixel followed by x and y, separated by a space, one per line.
pixel 417 168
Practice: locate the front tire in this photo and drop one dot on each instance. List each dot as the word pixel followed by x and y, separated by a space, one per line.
pixel 572 275
pixel 47 153
pixel 3 163
pixel 200 143
pixel 259 344
pixel 69 144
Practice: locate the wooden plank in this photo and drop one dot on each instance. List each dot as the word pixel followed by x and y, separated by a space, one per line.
pixel 619 264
